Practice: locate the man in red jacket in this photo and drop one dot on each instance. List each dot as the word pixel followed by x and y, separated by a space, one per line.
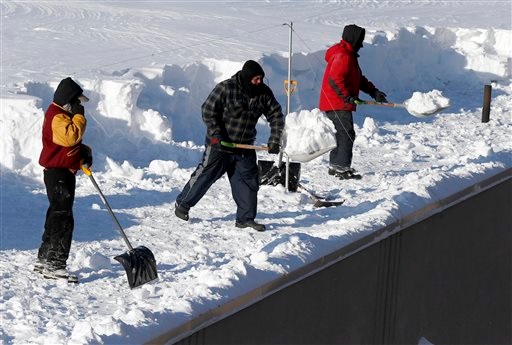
pixel 62 154
pixel 339 95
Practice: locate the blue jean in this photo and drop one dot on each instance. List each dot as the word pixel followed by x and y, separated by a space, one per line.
pixel 242 171
pixel 341 157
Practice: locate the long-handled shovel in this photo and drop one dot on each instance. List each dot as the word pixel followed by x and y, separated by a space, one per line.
pixel 139 263
pixel 320 201
pixel 270 174
pixel 410 110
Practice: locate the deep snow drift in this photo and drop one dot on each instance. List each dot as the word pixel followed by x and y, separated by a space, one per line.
pixel 148 68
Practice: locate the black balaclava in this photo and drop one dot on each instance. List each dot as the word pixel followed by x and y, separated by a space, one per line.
pixel 354 35
pixel 250 70
pixel 67 92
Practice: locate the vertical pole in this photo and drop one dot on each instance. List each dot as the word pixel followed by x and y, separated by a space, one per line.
pixel 289 69
pixel 486 109
pixel 287 172
pixel 287 179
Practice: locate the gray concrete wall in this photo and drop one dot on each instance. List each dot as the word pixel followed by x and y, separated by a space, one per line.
pixel 447 279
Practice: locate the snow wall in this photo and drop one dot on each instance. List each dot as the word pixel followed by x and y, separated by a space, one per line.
pixel 155 111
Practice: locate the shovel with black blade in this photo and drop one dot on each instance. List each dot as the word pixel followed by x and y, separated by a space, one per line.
pixel 139 263
pixel 271 174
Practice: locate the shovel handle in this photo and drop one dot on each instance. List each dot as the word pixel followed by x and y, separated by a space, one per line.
pixel 88 172
pixel 413 112
pixel 393 105
pixel 244 146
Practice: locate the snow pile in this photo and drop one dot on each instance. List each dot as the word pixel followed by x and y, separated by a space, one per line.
pixel 87 258
pixel 425 104
pixel 485 50
pixel 308 134
pixel 117 124
pixel 20 140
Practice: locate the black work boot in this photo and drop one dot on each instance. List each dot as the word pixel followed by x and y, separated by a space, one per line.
pixel 250 224
pixel 181 213
pixel 39 266
pixel 348 174
pixel 53 272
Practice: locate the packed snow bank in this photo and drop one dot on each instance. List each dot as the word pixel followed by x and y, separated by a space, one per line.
pixel 161 104
pixel 486 50
pixel 20 126
pixel 116 126
pixel 150 113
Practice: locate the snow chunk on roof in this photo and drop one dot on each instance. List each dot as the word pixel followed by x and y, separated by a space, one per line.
pixel 424 104
pixel 307 133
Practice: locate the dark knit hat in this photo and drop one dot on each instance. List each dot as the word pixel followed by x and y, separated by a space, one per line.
pixel 251 69
pixel 68 92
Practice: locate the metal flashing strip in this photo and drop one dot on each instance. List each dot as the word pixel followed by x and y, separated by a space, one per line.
pixel 322 263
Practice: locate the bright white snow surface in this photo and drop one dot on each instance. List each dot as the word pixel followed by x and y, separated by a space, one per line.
pixel 147 66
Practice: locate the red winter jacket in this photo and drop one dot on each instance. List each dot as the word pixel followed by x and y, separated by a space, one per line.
pixel 342 78
pixel 62 138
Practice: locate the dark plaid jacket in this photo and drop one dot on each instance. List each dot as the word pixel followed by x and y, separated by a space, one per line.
pixel 229 113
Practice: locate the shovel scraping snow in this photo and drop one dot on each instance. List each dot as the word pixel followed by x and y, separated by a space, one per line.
pixel 319 200
pixel 410 109
pixel 272 174
pixel 139 263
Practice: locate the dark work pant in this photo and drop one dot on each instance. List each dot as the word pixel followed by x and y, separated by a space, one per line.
pixel 242 171
pixel 58 228
pixel 341 157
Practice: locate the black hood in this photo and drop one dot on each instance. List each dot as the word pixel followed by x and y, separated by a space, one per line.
pixel 250 70
pixel 67 92
pixel 354 35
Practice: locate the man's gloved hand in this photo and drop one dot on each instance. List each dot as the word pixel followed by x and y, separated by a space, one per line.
pixel 353 100
pixel 86 155
pixel 215 141
pixel 77 108
pixel 379 96
pixel 273 148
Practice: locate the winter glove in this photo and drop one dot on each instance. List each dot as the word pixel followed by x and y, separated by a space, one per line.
pixel 379 96
pixel 273 148
pixel 215 141
pixel 353 100
pixel 86 155
pixel 77 108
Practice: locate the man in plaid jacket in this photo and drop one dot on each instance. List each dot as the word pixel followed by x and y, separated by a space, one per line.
pixel 231 113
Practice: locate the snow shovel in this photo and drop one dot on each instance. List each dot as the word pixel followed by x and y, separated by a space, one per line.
pixel 268 173
pixel 409 109
pixel 319 200
pixel 139 263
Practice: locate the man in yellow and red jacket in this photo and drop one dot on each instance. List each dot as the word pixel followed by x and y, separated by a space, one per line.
pixel 62 154
pixel 339 95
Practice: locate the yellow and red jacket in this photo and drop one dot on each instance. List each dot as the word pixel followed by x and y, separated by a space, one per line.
pixel 62 138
